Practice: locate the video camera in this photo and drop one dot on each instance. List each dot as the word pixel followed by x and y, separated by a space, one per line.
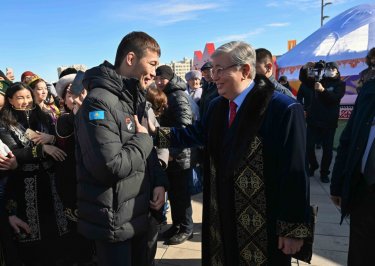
pixel 317 70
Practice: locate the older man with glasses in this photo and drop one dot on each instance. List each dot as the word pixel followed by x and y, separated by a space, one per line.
pixel 256 191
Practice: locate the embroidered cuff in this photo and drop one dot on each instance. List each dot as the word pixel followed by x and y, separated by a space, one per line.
pixel 11 207
pixel 38 151
pixel 34 152
pixel 164 137
pixel 293 230
pixel 71 214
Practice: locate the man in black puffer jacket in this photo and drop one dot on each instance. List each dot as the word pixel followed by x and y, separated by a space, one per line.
pixel 178 114
pixel 322 119
pixel 118 180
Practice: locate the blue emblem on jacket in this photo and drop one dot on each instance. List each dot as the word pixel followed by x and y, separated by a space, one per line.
pixel 96 115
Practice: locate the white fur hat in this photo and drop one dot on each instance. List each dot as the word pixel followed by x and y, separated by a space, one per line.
pixel 63 83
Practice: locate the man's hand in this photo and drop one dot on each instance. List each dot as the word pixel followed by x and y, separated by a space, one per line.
pixel 17 224
pixel 336 200
pixel 319 87
pixel 290 246
pixel 8 162
pixel 4 149
pixel 54 152
pixel 43 138
pixel 138 127
pixel 10 73
pixel 158 199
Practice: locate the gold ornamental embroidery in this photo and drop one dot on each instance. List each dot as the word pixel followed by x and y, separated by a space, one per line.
pixel 164 137
pixel 250 200
pixel 295 230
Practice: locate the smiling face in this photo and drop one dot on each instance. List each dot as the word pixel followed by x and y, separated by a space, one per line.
pixel 207 74
pixel 21 99
pixel 40 91
pixel 142 69
pixel 161 82
pixel 194 83
pixel 227 76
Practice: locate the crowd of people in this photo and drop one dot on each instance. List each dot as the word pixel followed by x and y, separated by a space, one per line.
pixel 88 163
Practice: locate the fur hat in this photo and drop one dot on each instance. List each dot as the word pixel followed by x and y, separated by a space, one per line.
pixel 165 72
pixel 63 83
pixel 193 75
pixel 207 65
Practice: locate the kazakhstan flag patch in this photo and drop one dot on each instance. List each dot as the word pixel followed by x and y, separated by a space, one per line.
pixel 96 115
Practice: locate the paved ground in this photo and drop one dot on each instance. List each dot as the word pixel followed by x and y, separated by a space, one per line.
pixel 331 239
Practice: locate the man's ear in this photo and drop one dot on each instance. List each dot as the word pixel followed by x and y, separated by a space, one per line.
pixel 130 58
pixel 246 71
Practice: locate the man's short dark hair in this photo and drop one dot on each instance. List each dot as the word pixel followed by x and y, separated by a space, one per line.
pixel 263 55
pixel 137 42
pixel 68 71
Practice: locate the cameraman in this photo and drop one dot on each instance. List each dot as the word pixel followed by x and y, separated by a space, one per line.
pixel 322 118
pixel 306 89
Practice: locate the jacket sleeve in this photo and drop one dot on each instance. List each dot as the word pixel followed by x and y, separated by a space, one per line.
pixel 181 110
pixel 333 95
pixel 31 154
pixel 194 135
pixel 293 199
pixel 159 177
pixel 104 154
pixel 342 154
pixel 300 95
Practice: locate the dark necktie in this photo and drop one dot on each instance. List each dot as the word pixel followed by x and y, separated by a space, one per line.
pixel 232 112
pixel 369 171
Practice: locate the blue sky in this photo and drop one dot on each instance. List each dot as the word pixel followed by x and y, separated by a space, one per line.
pixel 41 35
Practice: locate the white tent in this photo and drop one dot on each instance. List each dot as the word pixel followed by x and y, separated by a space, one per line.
pixel 344 39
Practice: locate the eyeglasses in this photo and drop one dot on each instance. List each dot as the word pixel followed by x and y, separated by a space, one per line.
pixel 219 70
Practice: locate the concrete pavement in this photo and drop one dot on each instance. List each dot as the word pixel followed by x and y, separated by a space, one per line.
pixel 330 245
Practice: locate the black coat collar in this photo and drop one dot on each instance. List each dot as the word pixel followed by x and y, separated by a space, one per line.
pixel 227 146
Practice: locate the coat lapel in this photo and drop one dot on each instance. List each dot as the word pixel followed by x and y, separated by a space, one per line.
pixel 245 126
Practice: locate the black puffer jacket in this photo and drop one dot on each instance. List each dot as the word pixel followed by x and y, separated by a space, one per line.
pixel 325 106
pixel 178 114
pixel 113 184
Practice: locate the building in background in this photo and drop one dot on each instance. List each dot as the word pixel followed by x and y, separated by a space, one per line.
pixel 180 68
pixel 78 67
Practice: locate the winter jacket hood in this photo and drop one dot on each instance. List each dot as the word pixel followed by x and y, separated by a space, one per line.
pixel 104 76
pixel 175 84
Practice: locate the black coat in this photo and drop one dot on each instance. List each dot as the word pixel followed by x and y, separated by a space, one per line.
pixel 114 185
pixel 66 178
pixel 178 114
pixel 346 181
pixel 304 95
pixel 325 106
pixel 275 123
pixel 30 190
pixel 209 92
